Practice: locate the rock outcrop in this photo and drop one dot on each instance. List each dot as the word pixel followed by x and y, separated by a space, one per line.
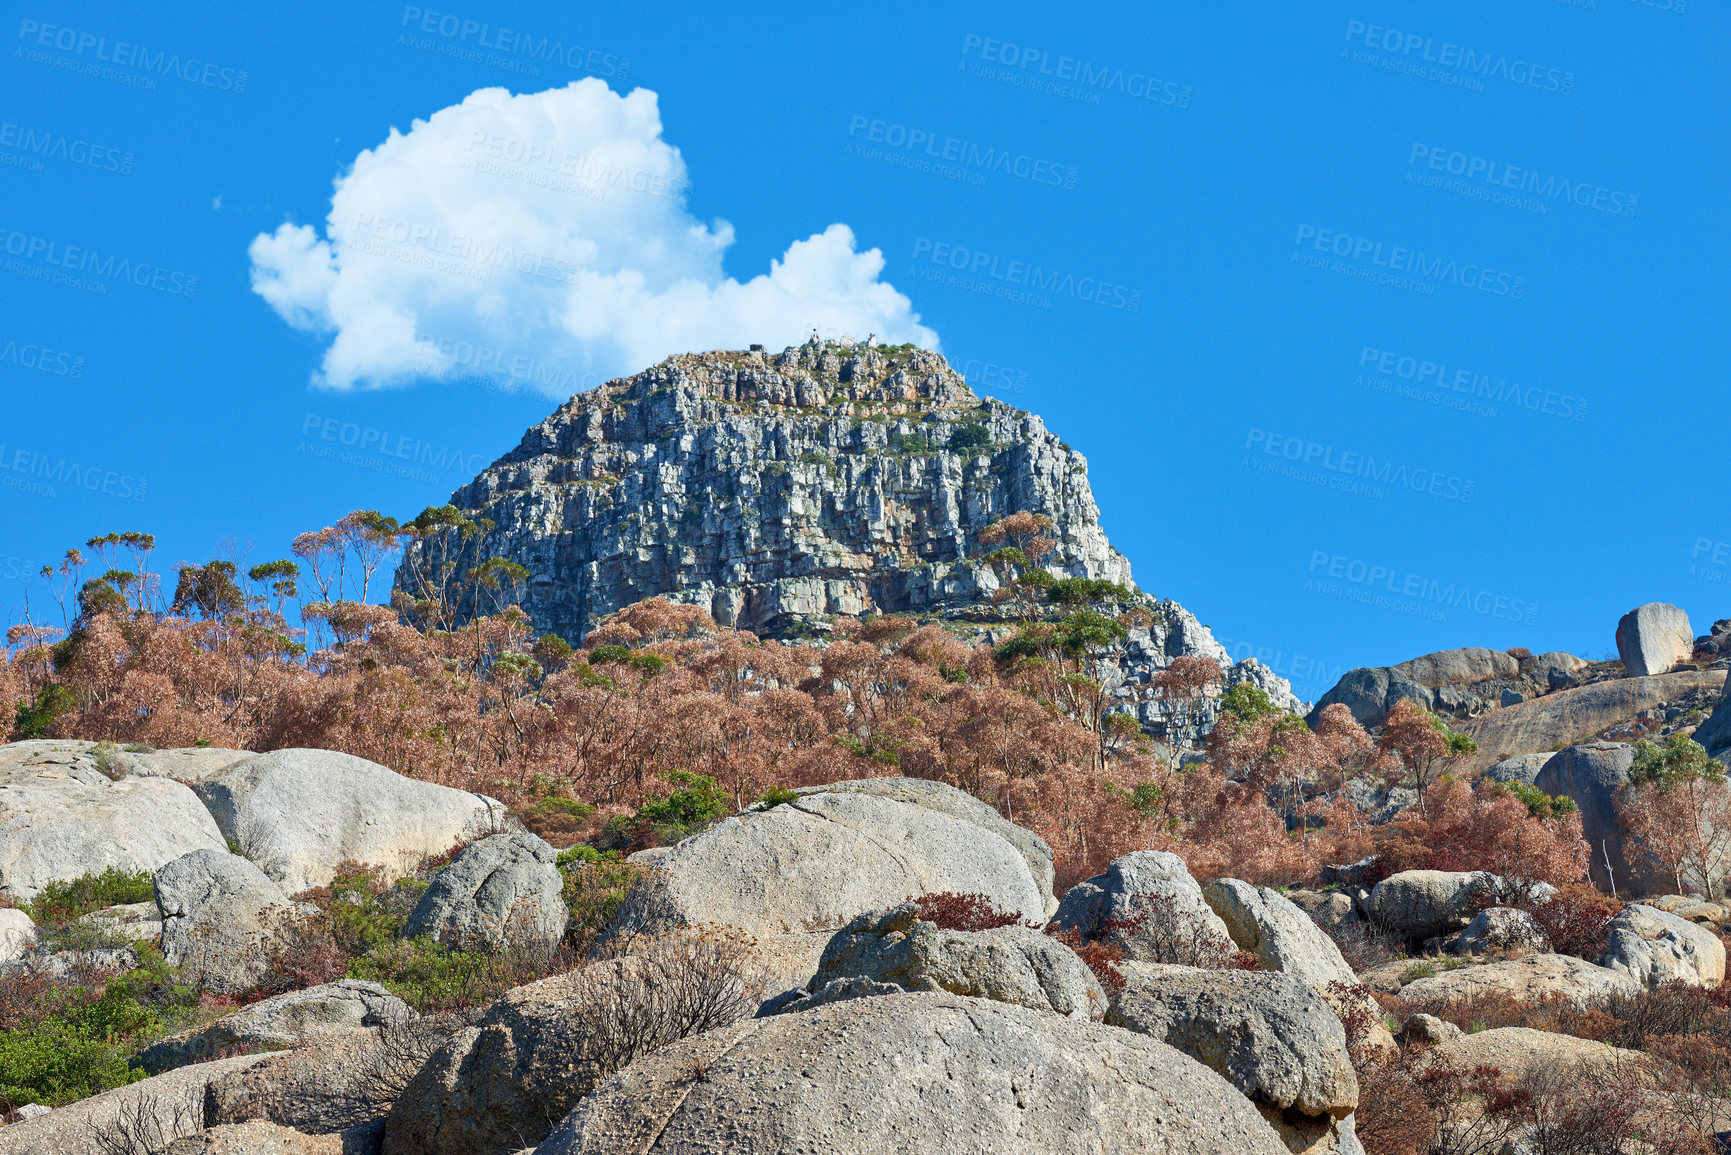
pixel 779 490
pixel 968 1076
pixel 256 1139
pixel 297 1019
pixel 66 812
pixel 220 917
pixel 1653 638
pixel 498 893
pixel 1654 948
pixel 1010 964
pixel 299 813
pixel 1500 928
pixel 1283 938
pixel 17 934
pixel 1461 682
pixel 1423 903
pixel 1530 979
pixel 1591 775
pixel 1147 905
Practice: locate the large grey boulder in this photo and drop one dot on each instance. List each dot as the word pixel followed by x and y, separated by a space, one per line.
pixel 501 892
pixel 938 1072
pixel 1653 638
pixel 1370 692
pixel 1591 775
pixel 257 1139
pixel 1011 964
pixel 1500 928
pixel 220 918
pixel 1281 936
pixel 1654 947
pixel 1529 979
pixel 346 1083
pixel 1577 714
pixel 1270 1035
pixel 505 1081
pixel 156 1111
pixel 946 799
pixel 793 875
pixel 131 921
pixel 300 813
pixel 17 934
pixel 62 816
pixel 1147 905
pixel 1522 768
pixel 1424 903
pixel 297 1019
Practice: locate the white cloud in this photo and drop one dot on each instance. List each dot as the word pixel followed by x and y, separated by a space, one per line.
pixel 544 238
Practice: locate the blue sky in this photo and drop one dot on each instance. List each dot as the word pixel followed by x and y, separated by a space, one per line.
pixel 1348 305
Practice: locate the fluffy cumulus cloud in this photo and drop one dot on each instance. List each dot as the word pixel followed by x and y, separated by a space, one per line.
pixel 543 241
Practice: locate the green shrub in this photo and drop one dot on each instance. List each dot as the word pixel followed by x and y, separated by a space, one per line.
pixel 779 796
pixel 64 901
pixel 970 436
pixel 647 664
pixel 1539 804
pixel 32 719
pixel 432 977
pixel 695 802
pixel 596 883
pixel 1418 970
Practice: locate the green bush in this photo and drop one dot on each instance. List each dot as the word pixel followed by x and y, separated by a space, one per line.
pixel 32 719
pixel 596 883
pixel 647 664
pixel 432 977
pixel 779 796
pixel 64 901
pixel 364 914
pixel 1539 804
pixel 695 802
pixel 970 436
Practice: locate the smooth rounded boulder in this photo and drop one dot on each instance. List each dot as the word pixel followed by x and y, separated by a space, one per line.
pixel 296 1019
pixel 500 892
pixel 298 814
pixel 1529 979
pixel 1147 905
pixel 1655 948
pixel 1654 638
pixel 1283 938
pixel 1010 964
pixel 1591 774
pixel 1423 903
pixel 220 918
pixel 17 934
pixel 62 816
pixel 933 1072
pixel 1500 928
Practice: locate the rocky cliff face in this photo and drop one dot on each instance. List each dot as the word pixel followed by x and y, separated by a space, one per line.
pixel 777 490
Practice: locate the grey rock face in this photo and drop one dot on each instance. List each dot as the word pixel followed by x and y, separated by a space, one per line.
pixel 764 489
pixel 1429 1030
pixel 1654 947
pixel 1011 964
pixel 132 921
pixel 1176 923
pixel 498 893
pixel 63 816
pixel 1371 692
pixel 256 1139
pixel 1423 903
pixel 1653 638
pixel 1522 768
pixel 220 916
pixel 1281 936
pixel 970 1076
pixel 299 813
pixel 1500 928
pixel 1591 775
pixel 1530 978
pixel 1270 1035
pixel 343 1084
pixel 297 1019
pixel 946 799
pixel 506 1080
pixel 814 864
pixel 172 1107
pixel 17 934
pixel 1336 910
